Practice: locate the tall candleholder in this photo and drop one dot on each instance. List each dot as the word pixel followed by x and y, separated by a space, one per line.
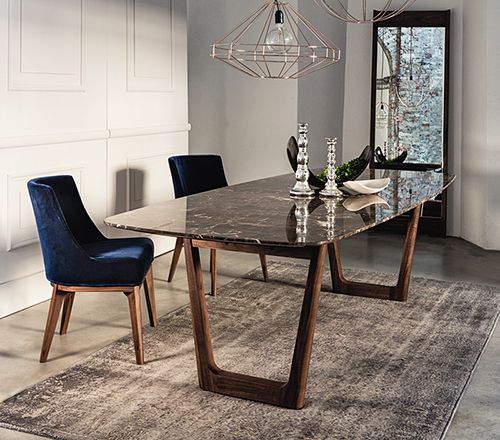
pixel 302 188
pixel 331 189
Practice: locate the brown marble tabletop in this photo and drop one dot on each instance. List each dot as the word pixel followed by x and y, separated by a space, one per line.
pixel 262 212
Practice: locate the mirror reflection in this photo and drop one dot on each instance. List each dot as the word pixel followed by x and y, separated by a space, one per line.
pixel 410 95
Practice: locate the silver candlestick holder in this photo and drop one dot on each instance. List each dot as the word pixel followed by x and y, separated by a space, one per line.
pixel 302 188
pixel 331 189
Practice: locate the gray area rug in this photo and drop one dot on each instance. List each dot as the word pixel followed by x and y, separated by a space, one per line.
pixel 380 370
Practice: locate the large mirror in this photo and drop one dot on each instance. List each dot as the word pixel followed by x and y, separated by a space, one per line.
pixel 409 110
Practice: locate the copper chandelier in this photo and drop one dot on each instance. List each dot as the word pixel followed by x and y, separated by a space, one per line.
pixel 278 42
pixel 339 9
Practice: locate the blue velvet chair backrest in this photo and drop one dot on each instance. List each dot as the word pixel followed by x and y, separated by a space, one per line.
pixel 196 173
pixel 63 224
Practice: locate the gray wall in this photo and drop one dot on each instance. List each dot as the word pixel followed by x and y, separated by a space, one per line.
pixel 321 95
pixel 481 130
pixel 248 121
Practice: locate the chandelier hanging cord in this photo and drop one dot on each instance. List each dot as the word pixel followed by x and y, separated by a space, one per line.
pixel 341 12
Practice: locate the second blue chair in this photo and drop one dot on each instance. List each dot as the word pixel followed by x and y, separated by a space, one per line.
pixel 194 174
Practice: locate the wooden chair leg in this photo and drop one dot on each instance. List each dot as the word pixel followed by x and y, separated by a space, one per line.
pixel 263 264
pixel 134 303
pixel 149 291
pixel 54 310
pixel 175 258
pixel 66 313
pixel 213 272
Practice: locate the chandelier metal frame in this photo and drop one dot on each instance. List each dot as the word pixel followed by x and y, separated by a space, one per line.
pixel 341 11
pixel 310 51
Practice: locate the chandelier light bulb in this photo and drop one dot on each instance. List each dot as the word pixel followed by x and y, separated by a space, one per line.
pixel 279 38
pixel 382 115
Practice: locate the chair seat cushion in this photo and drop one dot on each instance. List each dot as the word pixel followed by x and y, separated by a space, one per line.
pixel 118 262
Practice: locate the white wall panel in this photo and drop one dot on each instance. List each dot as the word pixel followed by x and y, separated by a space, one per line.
pixel 147 101
pixel 139 174
pixel 150 46
pixel 52 67
pixel 22 293
pixel 147 63
pixel 45 45
pixel 93 89
pixel 21 227
pixel 86 161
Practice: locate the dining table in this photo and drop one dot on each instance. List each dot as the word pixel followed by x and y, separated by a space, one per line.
pixel 260 217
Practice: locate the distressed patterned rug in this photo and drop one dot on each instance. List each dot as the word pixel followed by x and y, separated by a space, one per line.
pixel 380 370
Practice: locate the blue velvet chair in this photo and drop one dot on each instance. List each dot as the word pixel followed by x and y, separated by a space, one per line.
pixel 194 174
pixel 78 258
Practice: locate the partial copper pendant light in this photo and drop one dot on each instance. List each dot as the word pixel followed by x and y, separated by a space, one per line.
pixel 340 10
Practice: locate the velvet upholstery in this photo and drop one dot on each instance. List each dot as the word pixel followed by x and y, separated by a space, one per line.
pixel 194 174
pixel 75 253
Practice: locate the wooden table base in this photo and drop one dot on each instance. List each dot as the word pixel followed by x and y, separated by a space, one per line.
pixel 211 378
pixel 399 292
pixel 288 394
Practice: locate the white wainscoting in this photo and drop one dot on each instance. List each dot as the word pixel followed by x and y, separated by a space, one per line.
pixel 139 177
pixel 19 249
pixel 21 227
pixel 150 69
pixel 94 89
pixel 50 28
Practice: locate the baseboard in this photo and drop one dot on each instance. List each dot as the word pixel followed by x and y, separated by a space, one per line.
pixel 23 293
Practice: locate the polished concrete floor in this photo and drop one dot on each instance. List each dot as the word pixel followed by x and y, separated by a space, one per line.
pixel 99 319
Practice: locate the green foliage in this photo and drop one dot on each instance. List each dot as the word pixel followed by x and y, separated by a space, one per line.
pixel 346 171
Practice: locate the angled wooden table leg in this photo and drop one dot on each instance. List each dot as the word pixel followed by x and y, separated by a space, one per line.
pixel 211 378
pixel 175 259
pixel 399 292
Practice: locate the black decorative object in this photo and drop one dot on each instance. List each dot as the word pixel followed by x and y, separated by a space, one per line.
pixel 379 155
pixel 362 162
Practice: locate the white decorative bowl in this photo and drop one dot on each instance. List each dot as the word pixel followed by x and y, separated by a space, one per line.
pixel 358 203
pixel 368 186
